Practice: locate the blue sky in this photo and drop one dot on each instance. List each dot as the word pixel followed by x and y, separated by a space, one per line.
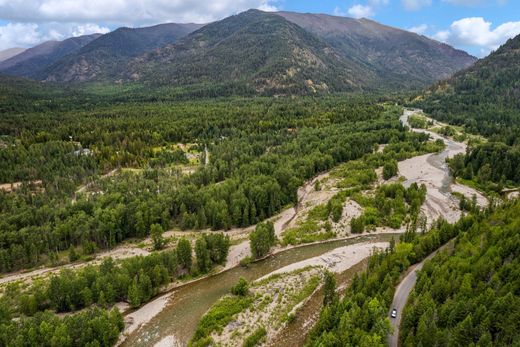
pixel 477 26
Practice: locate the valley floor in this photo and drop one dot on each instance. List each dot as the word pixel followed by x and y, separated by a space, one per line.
pixel 428 169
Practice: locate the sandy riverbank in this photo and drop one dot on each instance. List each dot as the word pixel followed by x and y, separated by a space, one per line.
pixel 337 260
pixel 432 171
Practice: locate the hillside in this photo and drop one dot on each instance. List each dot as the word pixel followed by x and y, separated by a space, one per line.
pixel 9 53
pixel 484 98
pixel 30 62
pixel 470 297
pixel 253 51
pixel 104 56
pixel 266 53
pixel 398 57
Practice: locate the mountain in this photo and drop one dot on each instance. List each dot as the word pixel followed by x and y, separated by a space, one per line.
pixel 112 51
pixel 10 52
pixel 30 62
pixel 398 57
pixel 266 53
pixel 255 51
pixel 485 98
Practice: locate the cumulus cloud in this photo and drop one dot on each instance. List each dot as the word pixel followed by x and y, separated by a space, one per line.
pixel 89 28
pixel 477 32
pixel 31 34
pixel 33 21
pixel 361 11
pixel 414 5
pixel 18 35
pixel 419 29
pixel 133 12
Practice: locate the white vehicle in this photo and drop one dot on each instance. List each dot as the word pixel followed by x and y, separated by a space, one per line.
pixel 394 313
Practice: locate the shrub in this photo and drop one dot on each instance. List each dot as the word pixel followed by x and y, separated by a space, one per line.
pixel 241 288
pixel 253 339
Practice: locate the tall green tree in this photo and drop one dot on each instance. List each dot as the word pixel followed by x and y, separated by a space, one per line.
pixel 184 253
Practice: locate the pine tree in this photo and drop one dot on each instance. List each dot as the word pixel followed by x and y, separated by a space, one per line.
pixel 133 296
pixel 156 231
pixel 184 256
pixel 329 289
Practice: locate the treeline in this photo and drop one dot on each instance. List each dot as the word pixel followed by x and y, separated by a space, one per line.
pixel 93 327
pixel 361 317
pixel 135 280
pixel 261 152
pixel 470 297
pixel 492 165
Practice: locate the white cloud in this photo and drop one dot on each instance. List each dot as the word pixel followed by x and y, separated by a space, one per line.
pixel 414 5
pixel 31 34
pixel 18 35
pixel 361 11
pixel 130 12
pixel 33 21
pixel 419 29
pixel 476 32
pixel 87 29
pixel 442 35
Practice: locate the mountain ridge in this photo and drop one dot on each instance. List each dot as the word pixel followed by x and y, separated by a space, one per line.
pixel 31 61
pixel 114 49
pixel 397 54
pixel 301 53
pixel 10 52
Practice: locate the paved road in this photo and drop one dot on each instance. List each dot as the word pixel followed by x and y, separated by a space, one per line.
pixel 401 297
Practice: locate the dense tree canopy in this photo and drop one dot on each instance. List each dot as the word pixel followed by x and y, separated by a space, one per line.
pixel 470 296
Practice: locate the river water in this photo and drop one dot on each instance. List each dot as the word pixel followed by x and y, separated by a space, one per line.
pixel 189 303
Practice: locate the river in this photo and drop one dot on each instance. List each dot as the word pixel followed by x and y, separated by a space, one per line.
pixel 188 303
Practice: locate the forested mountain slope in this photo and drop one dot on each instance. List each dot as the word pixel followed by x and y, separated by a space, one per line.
pixel 104 57
pixel 470 297
pixel 485 98
pixel 33 60
pixel 398 57
pixel 255 51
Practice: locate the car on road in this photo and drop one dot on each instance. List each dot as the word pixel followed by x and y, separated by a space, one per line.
pixel 394 313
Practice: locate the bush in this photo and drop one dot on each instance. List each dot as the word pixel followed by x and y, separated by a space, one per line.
pixel 253 339
pixel 241 288
pixel 390 169
pixel 357 225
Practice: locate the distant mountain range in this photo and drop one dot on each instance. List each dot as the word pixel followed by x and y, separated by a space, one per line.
pixel 10 52
pixel 397 56
pixel 106 57
pixel 253 52
pixel 33 60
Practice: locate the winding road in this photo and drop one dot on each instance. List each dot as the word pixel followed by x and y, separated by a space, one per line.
pixel 401 296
